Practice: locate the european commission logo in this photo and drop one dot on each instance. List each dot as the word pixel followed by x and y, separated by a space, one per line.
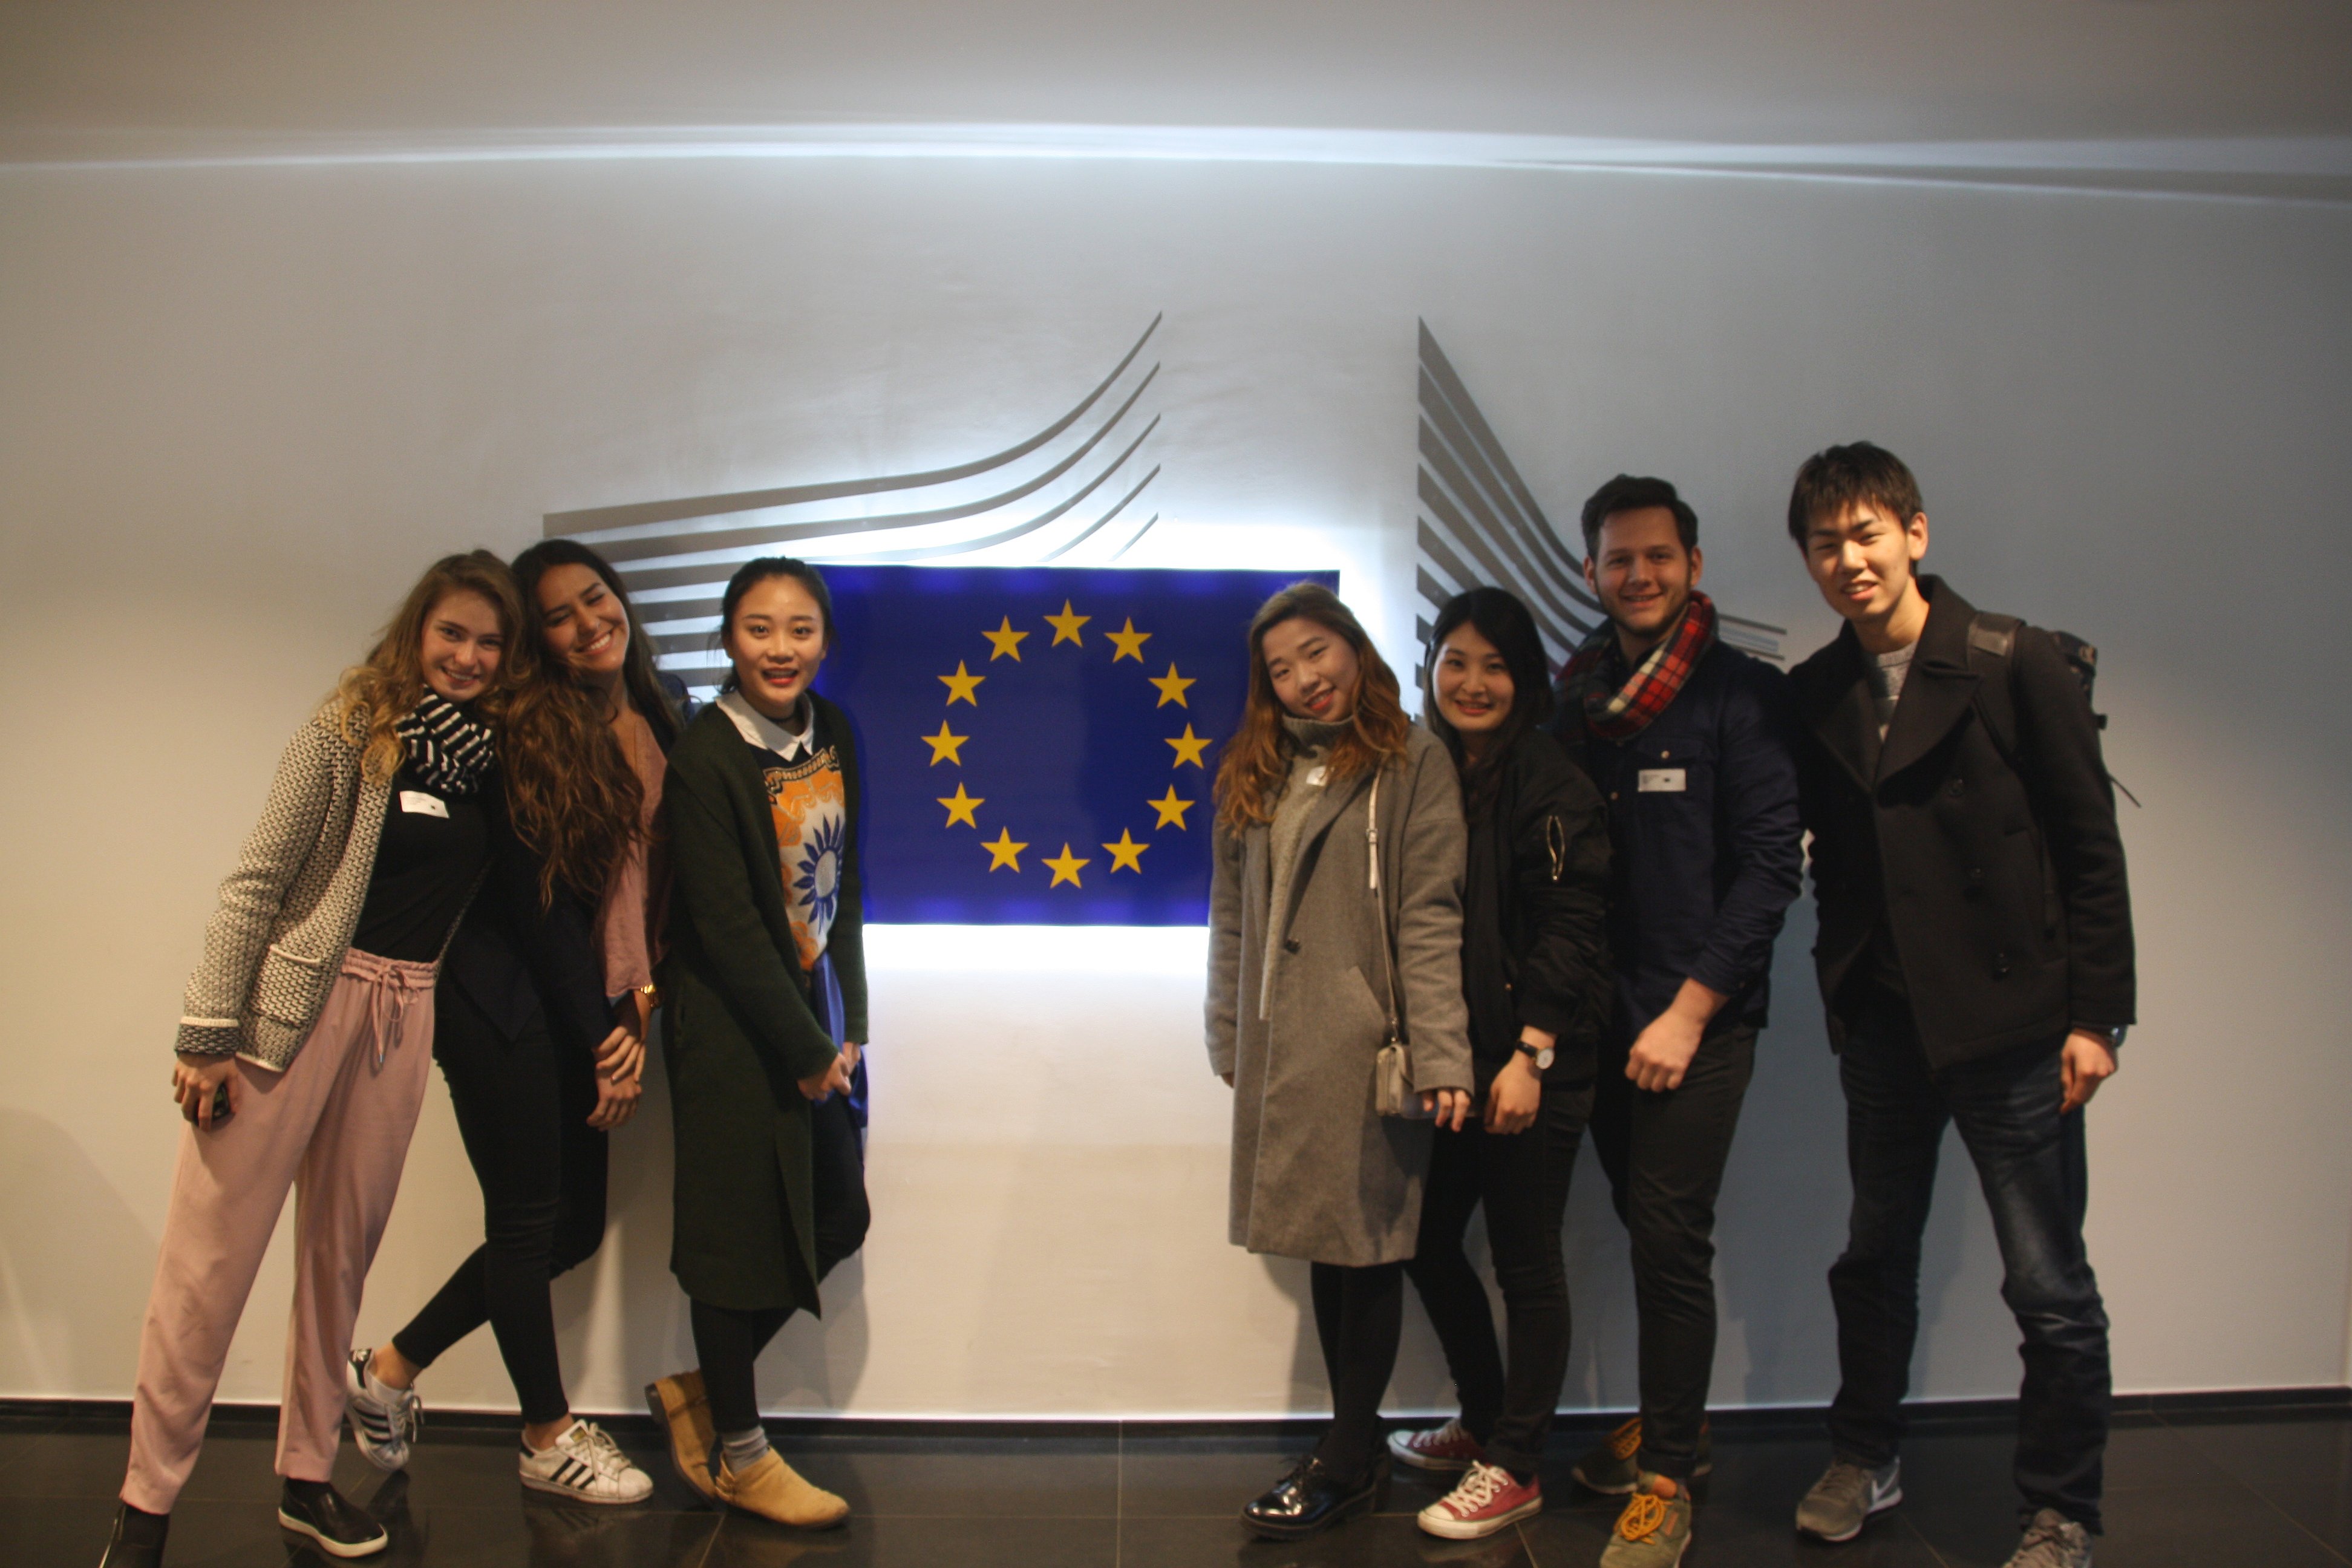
pixel 1039 743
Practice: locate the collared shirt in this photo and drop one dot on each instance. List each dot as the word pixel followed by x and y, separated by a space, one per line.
pixel 786 741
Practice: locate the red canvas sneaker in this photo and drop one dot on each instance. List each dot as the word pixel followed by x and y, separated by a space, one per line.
pixel 1449 1448
pixel 1484 1502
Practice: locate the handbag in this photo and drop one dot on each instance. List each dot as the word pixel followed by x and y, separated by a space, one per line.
pixel 1393 1091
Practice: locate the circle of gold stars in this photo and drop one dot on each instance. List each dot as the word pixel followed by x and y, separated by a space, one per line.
pixel 963 806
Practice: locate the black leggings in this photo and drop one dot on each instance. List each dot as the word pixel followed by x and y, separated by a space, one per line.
pixel 728 1339
pixel 1523 1181
pixel 1360 1317
pixel 522 1108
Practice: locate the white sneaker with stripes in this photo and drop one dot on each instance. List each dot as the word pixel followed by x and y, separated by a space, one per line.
pixel 383 1428
pixel 586 1466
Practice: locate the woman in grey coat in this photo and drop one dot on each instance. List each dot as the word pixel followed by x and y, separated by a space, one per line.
pixel 1336 900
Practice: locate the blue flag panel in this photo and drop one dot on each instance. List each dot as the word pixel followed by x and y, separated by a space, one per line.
pixel 1039 741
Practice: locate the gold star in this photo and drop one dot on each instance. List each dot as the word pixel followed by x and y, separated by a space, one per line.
pixel 1126 853
pixel 1170 809
pixel 961 685
pixel 1171 688
pixel 1066 867
pixel 960 807
pixel 1065 625
pixel 1189 749
pixel 1005 641
pixel 1130 642
pixel 1004 852
pixel 943 744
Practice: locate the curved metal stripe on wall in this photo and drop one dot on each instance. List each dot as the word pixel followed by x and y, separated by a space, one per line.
pixel 1479 524
pixel 676 554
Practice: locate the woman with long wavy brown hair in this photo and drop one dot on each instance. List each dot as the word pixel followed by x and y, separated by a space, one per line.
pixel 1335 925
pixel 544 1016
pixel 300 1056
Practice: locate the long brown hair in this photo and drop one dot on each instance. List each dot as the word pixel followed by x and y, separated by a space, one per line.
pixel 376 694
pixel 576 801
pixel 1255 765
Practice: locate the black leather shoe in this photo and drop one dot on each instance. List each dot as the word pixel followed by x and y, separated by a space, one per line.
pixel 1312 1499
pixel 338 1526
pixel 137 1540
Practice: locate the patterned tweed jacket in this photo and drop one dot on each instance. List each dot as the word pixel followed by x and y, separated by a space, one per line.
pixel 274 947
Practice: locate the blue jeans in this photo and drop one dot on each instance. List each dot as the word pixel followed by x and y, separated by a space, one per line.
pixel 2030 1162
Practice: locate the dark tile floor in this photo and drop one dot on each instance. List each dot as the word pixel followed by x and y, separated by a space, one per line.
pixel 2271 1492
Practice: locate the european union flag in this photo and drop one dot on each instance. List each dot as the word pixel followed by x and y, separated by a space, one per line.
pixel 1039 743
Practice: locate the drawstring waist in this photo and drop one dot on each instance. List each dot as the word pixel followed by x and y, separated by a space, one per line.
pixel 392 984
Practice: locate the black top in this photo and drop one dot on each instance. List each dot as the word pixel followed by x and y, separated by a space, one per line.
pixel 1534 911
pixel 1976 845
pixel 525 959
pixel 432 849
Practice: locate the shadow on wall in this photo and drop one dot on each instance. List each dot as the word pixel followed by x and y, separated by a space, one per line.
pixel 66 1331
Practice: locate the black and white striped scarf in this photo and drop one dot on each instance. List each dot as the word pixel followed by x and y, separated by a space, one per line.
pixel 447 748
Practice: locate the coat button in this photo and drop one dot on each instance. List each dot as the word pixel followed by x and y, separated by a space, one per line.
pixel 1954 790
pixel 1976 876
pixel 2000 963
pixel 1290 945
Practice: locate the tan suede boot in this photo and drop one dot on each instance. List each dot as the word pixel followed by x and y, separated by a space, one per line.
pixel 773 1489
pixel 682 1410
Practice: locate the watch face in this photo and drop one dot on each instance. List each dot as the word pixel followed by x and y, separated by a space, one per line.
pixel 1543 1059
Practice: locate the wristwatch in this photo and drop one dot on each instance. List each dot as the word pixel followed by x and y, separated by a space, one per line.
pixel 1542 1058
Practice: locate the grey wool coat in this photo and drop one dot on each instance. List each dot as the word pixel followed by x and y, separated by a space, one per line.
pixel 1317 1172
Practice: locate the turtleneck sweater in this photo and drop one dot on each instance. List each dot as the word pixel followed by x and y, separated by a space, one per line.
pixel 1309 742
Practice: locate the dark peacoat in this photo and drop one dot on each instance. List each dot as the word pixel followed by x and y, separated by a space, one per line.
pixel 742 1031
pixel 1318 1172
pixel 2002 885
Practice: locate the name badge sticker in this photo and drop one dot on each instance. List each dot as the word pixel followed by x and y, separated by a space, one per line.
pixel 1314 778
pixel 1659 781
pixel 424 805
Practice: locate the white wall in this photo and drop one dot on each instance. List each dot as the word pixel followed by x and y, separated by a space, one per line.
pixel 240 407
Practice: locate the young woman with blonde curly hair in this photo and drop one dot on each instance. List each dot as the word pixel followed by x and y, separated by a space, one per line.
pixel 1335 925
pixel 301 1056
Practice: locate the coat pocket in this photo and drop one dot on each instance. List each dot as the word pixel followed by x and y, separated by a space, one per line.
pixel 287 988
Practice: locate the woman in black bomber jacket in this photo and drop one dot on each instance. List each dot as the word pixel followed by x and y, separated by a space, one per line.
pixel 1536 975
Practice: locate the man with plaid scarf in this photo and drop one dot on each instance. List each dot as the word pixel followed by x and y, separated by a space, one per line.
pixel 1690 743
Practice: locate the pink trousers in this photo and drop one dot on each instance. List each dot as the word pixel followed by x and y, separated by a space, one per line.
pixel 334 1126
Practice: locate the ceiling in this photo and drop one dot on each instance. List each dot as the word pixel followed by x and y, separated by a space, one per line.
pixel 2249 94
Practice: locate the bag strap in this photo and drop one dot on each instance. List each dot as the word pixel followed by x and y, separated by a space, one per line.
pixel 1373 878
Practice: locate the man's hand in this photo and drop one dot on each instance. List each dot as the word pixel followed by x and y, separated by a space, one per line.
pixel 834 1080
pixel 1450 1106
pixel 2086 1062
pixel 1515 1097
pixel 195 1084
pixel 1662 1054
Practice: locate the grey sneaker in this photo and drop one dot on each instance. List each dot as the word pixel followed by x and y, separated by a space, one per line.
pixel 2052 1541
pixel 1846 1494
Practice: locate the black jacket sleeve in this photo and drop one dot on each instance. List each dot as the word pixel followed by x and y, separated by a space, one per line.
pixel 1560 871
pixel 2058 742
pixel 553 936
pixel 1757 829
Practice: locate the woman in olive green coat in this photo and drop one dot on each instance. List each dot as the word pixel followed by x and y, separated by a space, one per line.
pixel 765 987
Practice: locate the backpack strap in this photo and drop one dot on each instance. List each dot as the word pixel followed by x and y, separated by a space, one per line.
pixel 1992 655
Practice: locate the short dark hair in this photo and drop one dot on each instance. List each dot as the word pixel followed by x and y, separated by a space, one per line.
pixel 1836 479
pixel 1629 492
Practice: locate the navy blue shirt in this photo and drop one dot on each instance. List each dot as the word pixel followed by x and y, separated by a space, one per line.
pixel 1706 842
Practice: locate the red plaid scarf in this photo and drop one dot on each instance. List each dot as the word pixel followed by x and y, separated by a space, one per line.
pixel 1621 712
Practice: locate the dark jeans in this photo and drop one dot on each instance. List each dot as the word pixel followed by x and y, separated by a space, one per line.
pixel 1665 1152
pixel 2030 1163
pixel 522 1108
pixel 1522 1178
pixel 1360 1319
pixel 728 1340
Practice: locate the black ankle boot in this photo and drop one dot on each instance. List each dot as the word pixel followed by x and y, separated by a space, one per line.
pixel 340 1527
pixel 1312 1499
pixel 137 1540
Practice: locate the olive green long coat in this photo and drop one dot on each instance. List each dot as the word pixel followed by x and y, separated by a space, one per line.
pixel 1317 1172
pixel 740 1031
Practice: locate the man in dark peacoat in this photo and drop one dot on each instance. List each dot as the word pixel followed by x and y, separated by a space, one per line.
pixel 1976 963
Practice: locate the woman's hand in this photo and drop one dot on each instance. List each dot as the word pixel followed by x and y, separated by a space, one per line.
pixel 616 1101
pixel 852 1053
pixel 1452 1106
pixel 1516 1096
pixel 195 1084
pixel 834 1080
pixel 622 1056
